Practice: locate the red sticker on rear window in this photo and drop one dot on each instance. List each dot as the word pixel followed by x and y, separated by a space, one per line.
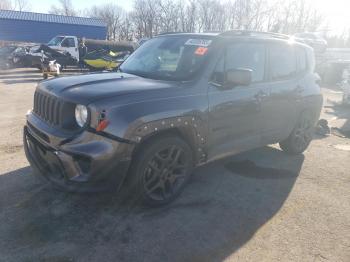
pixel 201 50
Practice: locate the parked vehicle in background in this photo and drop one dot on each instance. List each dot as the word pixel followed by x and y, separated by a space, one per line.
pixel 331 64
pixel 64 50
pixel 345 86
pixel 70 44
pixel 179 101
pixel 103 59
pixel 35 56
pixel 314 40
pixel 5 55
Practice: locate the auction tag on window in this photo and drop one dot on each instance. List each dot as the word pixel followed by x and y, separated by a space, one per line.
pixel 198 42
pixel 201 50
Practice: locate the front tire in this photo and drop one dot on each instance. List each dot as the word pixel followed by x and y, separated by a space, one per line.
pixel 301 137
pixel 161 169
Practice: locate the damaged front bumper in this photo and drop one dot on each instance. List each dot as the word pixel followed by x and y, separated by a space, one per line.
pixel 84 162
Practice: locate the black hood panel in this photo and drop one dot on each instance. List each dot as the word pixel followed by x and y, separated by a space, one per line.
pixel 84 89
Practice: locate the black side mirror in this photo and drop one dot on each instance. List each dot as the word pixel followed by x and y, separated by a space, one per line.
pixel 239 77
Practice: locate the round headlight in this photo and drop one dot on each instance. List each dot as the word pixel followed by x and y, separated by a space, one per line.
pixel 81 115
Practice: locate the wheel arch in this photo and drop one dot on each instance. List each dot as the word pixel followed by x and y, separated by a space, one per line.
pixel 187 129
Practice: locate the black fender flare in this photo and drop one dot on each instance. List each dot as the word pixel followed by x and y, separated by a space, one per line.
pixel 192 128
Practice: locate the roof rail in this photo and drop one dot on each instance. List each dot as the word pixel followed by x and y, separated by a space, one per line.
pixel 213 32
pixel 170 33
pixel 252 33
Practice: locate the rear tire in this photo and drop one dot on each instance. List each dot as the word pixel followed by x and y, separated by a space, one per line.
pixel 161 170
pixel 301 137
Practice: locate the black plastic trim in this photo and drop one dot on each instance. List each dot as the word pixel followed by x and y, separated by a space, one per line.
pixel 110 136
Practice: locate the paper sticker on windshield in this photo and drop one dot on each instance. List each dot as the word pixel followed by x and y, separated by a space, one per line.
pixel 198 42
pixel 201 50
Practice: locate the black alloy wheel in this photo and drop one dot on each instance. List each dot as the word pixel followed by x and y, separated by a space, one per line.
pixel 301 136
pixel 162 169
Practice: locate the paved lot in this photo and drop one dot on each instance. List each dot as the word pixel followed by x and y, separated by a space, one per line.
pixel 293 209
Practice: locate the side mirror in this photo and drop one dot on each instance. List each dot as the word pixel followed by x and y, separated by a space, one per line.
pixel 239 77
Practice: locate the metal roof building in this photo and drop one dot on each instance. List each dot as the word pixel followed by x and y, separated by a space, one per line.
pixel 40 28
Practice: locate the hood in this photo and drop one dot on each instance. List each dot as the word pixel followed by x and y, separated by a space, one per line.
pixel 84 89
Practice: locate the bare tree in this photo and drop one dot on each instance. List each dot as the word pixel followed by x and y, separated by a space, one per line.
pixel 112 15
pixel 293 16
pixel 65 8
pixel 5 5
pixel 127 28
pixel 168 16
pixel 22 5
pixel 188 15
pixel 151 17
pixel 148 17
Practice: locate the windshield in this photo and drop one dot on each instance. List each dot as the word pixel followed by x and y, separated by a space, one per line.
pixel 168 58
pixel 55 41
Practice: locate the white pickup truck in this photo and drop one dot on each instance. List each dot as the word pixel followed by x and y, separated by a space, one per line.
pixel 69 44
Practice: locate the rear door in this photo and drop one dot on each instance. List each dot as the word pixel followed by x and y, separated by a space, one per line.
pixel 279 106
pixel 235 111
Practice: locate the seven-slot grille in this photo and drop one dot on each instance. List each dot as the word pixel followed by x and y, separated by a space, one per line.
pixel 48 108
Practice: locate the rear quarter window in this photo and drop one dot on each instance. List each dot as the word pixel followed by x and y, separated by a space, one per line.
pixel 311 59
pixel 302 60
pixel 282 61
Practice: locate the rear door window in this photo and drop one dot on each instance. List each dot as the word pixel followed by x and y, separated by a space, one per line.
pixel 282 62
pixel 249 56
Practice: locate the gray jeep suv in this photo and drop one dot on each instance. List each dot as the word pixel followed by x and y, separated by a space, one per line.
pixel 177 102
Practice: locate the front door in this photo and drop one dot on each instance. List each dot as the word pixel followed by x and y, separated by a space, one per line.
pixel 70 45
pixel 235 111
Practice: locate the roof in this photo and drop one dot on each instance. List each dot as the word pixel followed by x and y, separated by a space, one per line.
pixel 235 33
pixel 189 34
pixel 50 18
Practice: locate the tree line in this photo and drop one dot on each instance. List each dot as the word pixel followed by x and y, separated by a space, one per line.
pixel 151 17
pixel 18 5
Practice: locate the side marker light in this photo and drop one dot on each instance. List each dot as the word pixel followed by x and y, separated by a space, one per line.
pixel 102 125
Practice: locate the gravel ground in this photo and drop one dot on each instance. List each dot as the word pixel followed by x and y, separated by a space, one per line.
pixel 282 209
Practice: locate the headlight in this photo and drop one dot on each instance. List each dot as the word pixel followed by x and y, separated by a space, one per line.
pixel 81 115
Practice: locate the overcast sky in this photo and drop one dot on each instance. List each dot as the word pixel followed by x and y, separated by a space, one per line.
pixel 43 6
pixel 336 11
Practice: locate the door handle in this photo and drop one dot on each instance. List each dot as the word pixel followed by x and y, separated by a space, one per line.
pixel 261 95
pixel 300 89
pixel 299 93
